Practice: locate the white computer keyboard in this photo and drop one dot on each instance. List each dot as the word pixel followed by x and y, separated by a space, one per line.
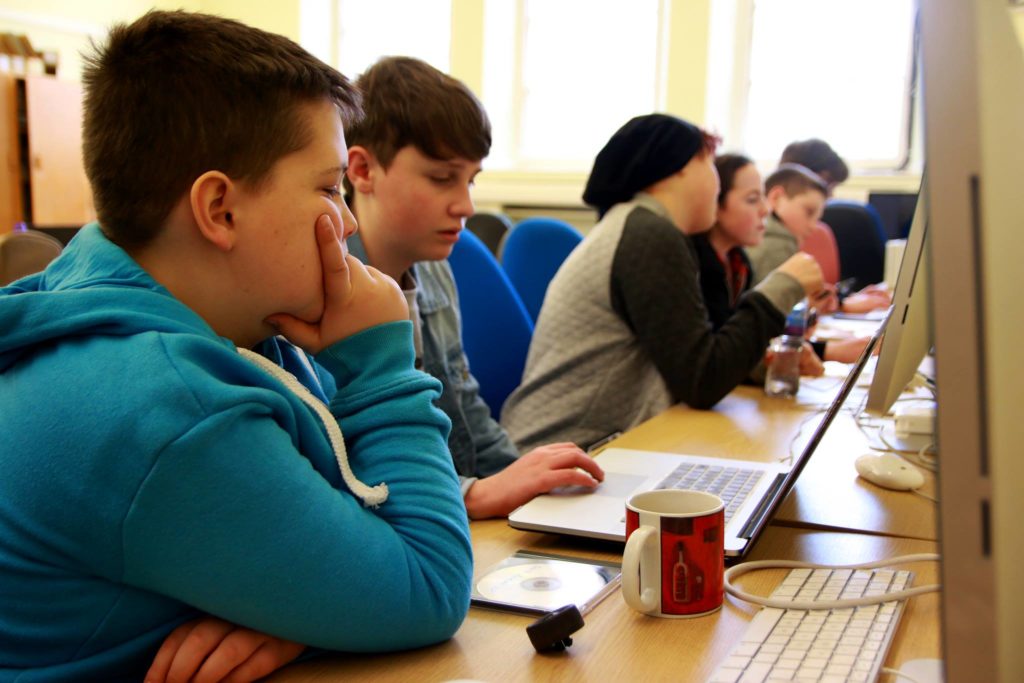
pixel 819 645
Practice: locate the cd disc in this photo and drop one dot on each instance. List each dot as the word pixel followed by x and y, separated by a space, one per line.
pixel 541 584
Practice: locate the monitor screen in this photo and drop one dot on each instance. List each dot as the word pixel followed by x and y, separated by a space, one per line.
pixel 908 334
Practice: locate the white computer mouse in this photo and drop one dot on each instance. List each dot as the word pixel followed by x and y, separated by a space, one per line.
pixel 890 471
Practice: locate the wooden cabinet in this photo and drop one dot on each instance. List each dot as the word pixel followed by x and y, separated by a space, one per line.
pixel 42 179
pixel 11 209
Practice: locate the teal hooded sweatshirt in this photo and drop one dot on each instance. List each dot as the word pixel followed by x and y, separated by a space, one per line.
pixel 150 474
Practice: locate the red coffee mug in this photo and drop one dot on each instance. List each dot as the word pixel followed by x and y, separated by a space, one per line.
pixel 674 560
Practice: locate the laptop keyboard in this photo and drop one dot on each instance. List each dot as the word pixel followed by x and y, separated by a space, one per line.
pixel 732 484
pixel 819 645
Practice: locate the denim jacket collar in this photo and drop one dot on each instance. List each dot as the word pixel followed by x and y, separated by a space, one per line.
pixel 430 299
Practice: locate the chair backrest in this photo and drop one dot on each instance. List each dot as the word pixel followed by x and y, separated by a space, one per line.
pixel 496 329
pixel 491 228
pixel 24 252
pixel 821 244
pixel 533 253
pixel 860 238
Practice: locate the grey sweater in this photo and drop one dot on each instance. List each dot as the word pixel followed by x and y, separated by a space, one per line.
pixel 624 334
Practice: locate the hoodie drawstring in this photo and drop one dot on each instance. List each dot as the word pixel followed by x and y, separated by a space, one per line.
pixel 372 496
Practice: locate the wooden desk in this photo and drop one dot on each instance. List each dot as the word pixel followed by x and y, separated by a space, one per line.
pixel 829 495
pixel 618 644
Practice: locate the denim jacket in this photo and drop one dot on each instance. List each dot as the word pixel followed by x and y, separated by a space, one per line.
pixel 479 445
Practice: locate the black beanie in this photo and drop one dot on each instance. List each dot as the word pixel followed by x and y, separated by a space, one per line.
pixel 642 152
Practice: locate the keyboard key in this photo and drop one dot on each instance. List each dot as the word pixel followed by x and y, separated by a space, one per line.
pixel 745 650
pixel 737 662
pixel 762 624
pixel 755 673
pixel 726 676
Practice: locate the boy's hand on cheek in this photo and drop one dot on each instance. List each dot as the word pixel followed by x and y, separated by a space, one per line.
pixel 356 297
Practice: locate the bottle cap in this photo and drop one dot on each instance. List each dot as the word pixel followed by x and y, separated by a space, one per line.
pixel 796 321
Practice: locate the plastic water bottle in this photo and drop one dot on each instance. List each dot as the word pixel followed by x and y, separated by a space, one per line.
pixel 783 360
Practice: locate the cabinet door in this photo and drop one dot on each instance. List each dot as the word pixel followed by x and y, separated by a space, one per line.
pixel 10 165
pixel 60 191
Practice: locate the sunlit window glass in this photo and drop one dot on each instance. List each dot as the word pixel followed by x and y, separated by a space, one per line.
pixel 561 75
pixel 370 29
pixel 835 69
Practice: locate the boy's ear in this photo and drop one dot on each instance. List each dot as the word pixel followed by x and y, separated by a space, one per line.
pixel 775 194
pixel 362 169
pixel 211 198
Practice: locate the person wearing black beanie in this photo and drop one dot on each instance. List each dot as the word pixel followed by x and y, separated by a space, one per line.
pixel 624 333
pixel 642 152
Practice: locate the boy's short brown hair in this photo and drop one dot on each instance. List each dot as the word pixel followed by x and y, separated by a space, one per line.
pixel 175 94
pixel 795 179
pixel 409 102
pixel 819 157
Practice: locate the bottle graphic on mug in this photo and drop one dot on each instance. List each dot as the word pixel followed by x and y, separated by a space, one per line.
pixel 687 578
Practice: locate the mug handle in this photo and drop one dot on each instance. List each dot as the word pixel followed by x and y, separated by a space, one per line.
pixel 635 576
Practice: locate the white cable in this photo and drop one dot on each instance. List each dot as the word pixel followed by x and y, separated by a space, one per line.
pixel 372 496
pixel 916 457
pixel 894 672
pixel 923 457
pixel 926 449
pixel 785 603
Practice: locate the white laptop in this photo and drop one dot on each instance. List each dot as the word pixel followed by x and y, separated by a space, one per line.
pixel 757 493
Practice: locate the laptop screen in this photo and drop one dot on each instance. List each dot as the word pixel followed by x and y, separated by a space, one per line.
pixel 771 503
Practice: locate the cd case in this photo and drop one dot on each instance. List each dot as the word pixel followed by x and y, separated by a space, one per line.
pixel 529 582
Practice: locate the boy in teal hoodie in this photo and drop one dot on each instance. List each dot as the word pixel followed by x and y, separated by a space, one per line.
pixel 154 471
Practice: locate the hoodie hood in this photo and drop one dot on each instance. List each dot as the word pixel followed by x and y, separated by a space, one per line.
pixel 94 288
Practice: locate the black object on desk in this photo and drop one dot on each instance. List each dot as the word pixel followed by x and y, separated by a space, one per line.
pixel 551 632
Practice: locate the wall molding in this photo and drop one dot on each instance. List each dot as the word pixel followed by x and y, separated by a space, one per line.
pixel 61 25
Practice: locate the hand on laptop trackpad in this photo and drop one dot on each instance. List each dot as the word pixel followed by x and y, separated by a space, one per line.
pixel 615 484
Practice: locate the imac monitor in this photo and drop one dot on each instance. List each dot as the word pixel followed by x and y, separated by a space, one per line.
pixel 973 86
pixel 908 334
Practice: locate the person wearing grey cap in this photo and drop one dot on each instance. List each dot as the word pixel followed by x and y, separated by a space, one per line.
pixel 624 332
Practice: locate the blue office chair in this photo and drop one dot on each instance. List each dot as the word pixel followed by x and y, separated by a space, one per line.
pixel 496 330
pixel 532 254
pixel 861 240
pixel 491 228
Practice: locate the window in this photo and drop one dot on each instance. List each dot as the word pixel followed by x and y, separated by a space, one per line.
pixel 367 30
pixel 840 70
pixel 560 77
